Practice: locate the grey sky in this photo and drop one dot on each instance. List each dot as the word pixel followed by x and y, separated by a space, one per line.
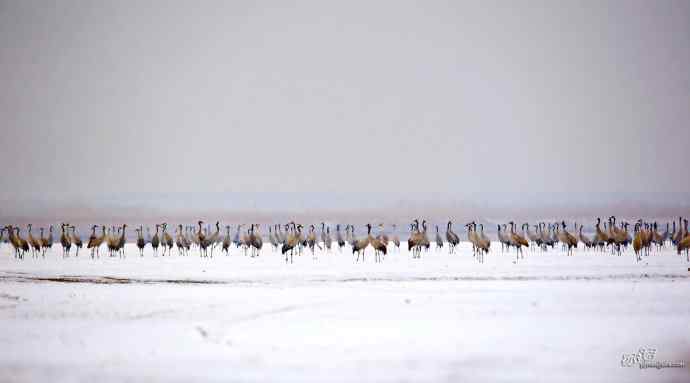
pixel 461 98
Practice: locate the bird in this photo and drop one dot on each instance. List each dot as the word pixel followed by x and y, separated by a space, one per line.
pixel 359 245
pixel 48 242
pixel 380 248
pixel 637 241
pixel 20 245
pixel 538 236
pixel 585 240
pixel 553 234
pixel 41 240
pixel 301 239
pixel 451 237
pixel 418 238
pixel 120 243
pixel 532 236
pixel 255 241
pixel 208 241
pixel 486 242
pixel 66 241
pixel 503 238
pixel 291 241
pixel 23 244
pixel 280 234
pixel 166 240
pixel 76 240
pixel 214 237
pixel 414 243
pixel 156 241
pixel 311 241
pixel 664 237
pixel 545 236
pixel 425 243
pixel 601 238
pixel 246 242
pixel 200 234
pixel 396 238
pixel 684 245
pixel 612 225
pixel 273 237
pixel 94 241
pixel 382 235
pixel 679 235
pixel 474 239
pixel 612 231
pixel 439 240
pixel 112 240
pixel 181 241
pixel 657 237
pixel 517 240
pixel 480 242
pixel 567 239
pixel 141 242
pixel 339 237
pixel 34 245
pixel 227 241
pixel 350 235
pixel 327 240
pixel 92 237
pixel 673 234
pixel 421 240
pixel 236 239
pixel 684 242
pixel 620 238
pixel 33 242
pixel 190 237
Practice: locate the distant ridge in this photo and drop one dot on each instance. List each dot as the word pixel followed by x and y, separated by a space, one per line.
pixel 341 207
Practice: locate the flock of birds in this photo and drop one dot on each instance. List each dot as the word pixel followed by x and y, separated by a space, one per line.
pixel 291 239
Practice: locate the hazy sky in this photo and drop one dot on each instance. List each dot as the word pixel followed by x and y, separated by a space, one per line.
pixel 462 98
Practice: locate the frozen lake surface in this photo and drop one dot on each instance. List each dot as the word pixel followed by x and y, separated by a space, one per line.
pixel 443 317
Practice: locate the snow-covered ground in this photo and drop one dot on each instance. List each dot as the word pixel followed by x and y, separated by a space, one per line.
pixel 548 317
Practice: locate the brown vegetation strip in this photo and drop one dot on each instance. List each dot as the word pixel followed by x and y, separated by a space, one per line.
pixel 442 278
pixel 108 280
